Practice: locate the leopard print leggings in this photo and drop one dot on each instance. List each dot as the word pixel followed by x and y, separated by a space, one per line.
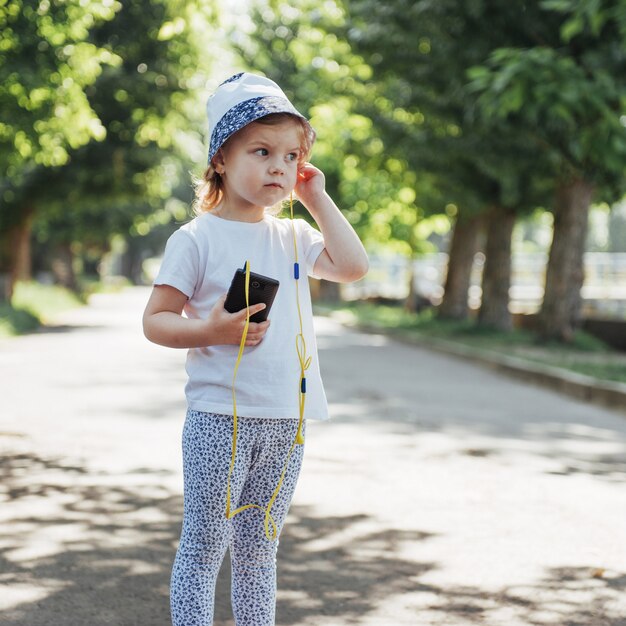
pixel 262 447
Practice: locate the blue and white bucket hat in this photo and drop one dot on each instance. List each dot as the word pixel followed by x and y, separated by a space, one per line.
pixel 241 99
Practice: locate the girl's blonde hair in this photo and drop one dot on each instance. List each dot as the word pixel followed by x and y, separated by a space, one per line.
pixel 209 190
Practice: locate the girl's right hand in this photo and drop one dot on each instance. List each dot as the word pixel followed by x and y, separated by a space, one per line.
pixel 226 328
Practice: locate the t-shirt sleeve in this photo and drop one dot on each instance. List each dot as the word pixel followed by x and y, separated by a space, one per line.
pixel 180 264
pixel 312 244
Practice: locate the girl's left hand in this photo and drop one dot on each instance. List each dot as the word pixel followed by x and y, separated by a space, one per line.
pixel 310 184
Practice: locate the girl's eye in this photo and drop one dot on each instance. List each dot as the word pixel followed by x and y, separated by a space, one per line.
pixel 292 156
pixel 261 151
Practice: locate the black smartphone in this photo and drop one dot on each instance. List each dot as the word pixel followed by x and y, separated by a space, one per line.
pixel 261 289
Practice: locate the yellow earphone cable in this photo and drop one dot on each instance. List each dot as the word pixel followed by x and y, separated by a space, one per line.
pixel 304 361
pixel 304 365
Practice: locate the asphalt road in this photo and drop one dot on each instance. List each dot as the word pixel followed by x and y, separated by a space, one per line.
pixel 440 494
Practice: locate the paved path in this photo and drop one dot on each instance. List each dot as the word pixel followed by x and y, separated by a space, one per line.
pixel 440 494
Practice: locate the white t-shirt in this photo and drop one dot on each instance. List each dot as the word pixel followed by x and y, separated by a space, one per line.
pixel 200 260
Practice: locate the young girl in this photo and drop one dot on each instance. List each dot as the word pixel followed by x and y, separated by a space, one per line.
pixel 242 434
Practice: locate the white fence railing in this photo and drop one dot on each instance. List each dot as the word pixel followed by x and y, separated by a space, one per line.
pixel 603 292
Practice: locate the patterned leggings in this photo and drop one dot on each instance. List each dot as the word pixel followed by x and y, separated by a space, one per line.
pixel 262 447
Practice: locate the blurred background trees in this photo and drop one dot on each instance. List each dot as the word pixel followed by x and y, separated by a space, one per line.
pixel 103 118
pixel 441 127
pixel 567 94
pixel 46 64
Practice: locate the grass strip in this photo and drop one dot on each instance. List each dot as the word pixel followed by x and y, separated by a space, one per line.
pixel 34 305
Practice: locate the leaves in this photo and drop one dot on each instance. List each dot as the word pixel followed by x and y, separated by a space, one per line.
pixel 103 124
pixel 46 63
pixel 561 97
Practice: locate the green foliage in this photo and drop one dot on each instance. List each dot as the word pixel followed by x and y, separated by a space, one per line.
pixel 34 305
pixel 306 51
pixel 420 53
pixel 44 301
pixel 588 17
pixel 16 321
pixel 46 63
pixel 147 105
pixel 602 371
pixel 570 96
pixel 422 108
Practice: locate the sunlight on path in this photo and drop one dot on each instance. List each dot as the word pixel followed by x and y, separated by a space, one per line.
pixel 440 493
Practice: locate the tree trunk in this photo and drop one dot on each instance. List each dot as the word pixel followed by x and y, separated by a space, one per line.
pixel 6 289
pixel 62 266
pixel 329 291
pixel 463 247
pixel 561 310
pixel 410 304
pixel 494 309
pixel 16 256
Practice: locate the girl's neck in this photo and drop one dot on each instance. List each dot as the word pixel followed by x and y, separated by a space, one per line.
pixel 239 214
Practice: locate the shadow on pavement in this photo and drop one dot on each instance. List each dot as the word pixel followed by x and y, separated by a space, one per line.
pixel 325 579
pixel 348 575
pixel 80 550
pixel 66 328
pixel 83 548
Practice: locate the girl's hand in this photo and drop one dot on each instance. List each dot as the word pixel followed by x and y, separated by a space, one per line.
pixel 227 328
pixel 310 185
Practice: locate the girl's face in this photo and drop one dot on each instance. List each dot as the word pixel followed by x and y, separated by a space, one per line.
pixel 259 168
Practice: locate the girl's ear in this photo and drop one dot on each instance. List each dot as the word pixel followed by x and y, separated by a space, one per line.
pixel 218 162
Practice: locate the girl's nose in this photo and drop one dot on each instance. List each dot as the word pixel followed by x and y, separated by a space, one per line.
pixel 276 167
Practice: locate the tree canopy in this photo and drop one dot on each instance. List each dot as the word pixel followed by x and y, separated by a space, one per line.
pixel 425 111
pixel 103 151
